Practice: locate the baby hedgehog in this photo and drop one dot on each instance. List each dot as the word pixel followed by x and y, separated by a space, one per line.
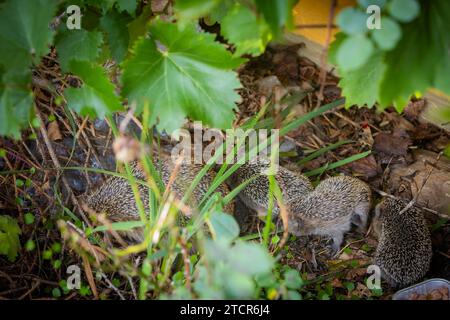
pixel 255 194
pixel 404 247
pixel 115 196
pixel 331 209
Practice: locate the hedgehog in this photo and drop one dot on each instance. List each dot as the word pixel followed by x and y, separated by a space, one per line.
pixel 404 248
pixel 115 197
pixel 331 209
pixel 255 194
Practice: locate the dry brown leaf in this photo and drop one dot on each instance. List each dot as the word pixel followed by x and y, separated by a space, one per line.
pixel 436 192
pixel 366 167
pixel 53 131
pixel 89 275
pixel 395 143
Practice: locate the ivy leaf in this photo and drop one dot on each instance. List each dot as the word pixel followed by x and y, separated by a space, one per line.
pixel 404 10
pixel 421 58
pixel 387 37
pixel 242 28
pixel 16 105
pixel 360 87
pixel 353 52
pixel 77 45
pixel 96 96
pixel 25 34
pixel 186 74
pixel 127 5
pixel 352 21
pixel 114 24
pixel 9 237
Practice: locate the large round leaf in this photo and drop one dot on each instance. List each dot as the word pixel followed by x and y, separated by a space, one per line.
pixel 389 34
pixel 224 226
pixel 185 74
pixel 404 10
pixel 352 21
pixel 354 52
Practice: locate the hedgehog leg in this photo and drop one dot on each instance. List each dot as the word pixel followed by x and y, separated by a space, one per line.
pixel 360 215
pixel 337 239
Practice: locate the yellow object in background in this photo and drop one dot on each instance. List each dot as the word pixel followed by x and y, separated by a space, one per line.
pixel 308 12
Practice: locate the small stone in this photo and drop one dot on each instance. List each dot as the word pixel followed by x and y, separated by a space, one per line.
pixel 101 125
pixel 267 85
pixel 76 181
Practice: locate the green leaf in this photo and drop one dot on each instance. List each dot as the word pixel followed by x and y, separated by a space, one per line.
pixel 278 14
pixel 352 21
pixel 388 36
pixel 421 58
pixel 96 97
pixel 224 226
pixel 77 45
pixel 294 295
pixel 265 280
pixel 114 24
pixel 138 27
pixel 28 218
pixel 186 74
pixel 334 47
pixel 242 28
pixel 292 279
pixel 238 285
pixel 360 86
pixel 350 286
pixel 250 258
pixel 47 254
pixel 127 5
pixel 57 264
pixel 353 52
pixel 56 247
pixel 9 237
pixel 30 245
pixel 25 35
pixel 219 11
pixel 404 10
pixel 188 10
pixel 366 3
pixel 56 293
pixel 16 105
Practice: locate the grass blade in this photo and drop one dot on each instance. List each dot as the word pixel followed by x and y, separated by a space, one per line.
pixel 337 164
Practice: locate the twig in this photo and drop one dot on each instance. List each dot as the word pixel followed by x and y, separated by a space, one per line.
pixel 353 123
pixel 58 167
pixel 323 71
pixel 186 262
pixel 35 285
pixel 112 286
